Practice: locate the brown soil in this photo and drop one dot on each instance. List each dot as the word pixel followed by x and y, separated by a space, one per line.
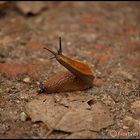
pixel 105 35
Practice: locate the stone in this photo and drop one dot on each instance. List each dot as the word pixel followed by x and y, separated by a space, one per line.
pixel 23 116
pixel 27 80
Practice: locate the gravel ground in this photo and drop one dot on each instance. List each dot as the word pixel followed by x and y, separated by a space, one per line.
pixel 105 35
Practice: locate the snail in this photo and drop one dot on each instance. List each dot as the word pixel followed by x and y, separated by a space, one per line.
pixel 78 77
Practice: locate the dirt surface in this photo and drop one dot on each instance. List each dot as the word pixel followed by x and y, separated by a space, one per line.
pixel 105 35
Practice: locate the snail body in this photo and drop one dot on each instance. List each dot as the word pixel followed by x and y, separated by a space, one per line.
pixel 78 77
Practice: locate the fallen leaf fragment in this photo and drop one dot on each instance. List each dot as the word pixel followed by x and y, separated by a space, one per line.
pixel 69 115
pixel 45 110
pixel 77 120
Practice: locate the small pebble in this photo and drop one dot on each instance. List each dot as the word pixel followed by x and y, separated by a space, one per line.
pixel 125 127
pixel 127 76
pixel 18 101
pixel 23 116
pixel 27 80
pixel 68 43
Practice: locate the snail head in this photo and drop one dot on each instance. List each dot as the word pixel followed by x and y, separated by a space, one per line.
pixel 58 53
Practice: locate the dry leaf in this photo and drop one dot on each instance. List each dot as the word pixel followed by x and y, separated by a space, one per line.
pixel 44 109
pixel 71 116
pixel 76 104
pixel 77 120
